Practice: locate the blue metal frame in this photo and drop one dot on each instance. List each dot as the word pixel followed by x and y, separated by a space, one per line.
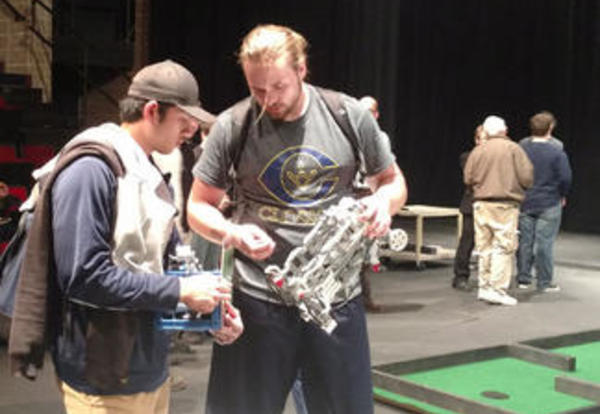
pixel 175 320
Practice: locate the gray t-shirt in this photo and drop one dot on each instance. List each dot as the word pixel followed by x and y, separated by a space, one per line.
pixel 287 174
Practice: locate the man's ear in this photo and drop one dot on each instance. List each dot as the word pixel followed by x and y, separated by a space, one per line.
pixel 150 111
pixel 301 70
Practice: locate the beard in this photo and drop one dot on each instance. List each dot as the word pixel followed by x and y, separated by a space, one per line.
pixel 289 112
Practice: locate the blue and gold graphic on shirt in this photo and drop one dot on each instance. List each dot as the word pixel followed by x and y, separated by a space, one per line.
pixel 300 176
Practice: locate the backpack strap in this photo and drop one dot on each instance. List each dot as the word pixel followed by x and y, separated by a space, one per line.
pixel 333 102
pixel 241 116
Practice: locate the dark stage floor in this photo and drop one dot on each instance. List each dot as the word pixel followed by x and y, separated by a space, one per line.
pixel 423 316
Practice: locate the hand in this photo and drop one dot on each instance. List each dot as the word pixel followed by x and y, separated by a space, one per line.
pixel 232 325
pixel 203 293
pixel 376 214
pixel 250 240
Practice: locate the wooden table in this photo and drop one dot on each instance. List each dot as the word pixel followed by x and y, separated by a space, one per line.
pixel 420 213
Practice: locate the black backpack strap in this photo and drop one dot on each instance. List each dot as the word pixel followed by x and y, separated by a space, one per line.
pixel 241 116
pixel 333 102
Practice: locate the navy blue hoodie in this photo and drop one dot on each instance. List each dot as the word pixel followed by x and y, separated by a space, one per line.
pixel 552 176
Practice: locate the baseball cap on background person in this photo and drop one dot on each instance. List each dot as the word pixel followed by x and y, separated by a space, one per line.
pixel 170 82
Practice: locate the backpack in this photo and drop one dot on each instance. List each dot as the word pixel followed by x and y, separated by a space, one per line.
pixel 10 265
pixel 11 260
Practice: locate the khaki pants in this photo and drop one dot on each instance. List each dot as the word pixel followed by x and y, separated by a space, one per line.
pixel 154 402
pixel 496 241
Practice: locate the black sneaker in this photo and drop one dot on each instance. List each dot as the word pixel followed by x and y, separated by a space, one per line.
pixel 550 288
pixel 461 284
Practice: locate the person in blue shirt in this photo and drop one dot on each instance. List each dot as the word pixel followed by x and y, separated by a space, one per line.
pixel 111 237
pixel 541 211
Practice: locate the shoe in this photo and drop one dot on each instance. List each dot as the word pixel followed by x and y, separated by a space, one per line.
pixel 378 268
pixel 461 284
pixel 373 307
pixel 505 299
pixel 523 285
pixel 550 288
pixel 177 382
pixel 483 293
pixel 493 296
pixel 178 347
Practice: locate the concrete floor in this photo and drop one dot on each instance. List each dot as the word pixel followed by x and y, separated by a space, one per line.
pixel 423 316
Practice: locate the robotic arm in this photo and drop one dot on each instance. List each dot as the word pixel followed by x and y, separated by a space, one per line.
pixel 315 272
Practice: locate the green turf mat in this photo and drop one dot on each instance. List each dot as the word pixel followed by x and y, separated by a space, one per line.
pixel 530 387
pixel 409 402
pixel 587 360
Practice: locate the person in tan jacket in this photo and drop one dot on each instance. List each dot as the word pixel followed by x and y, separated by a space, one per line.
pixel 499 173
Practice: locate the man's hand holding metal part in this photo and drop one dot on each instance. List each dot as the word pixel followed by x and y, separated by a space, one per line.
pixel 203 293
pixel 250 240
pixel 232 326
pixel 376 215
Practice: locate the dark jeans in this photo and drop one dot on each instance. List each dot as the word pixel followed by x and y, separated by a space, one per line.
pixel 464 249
pixel 254 375
pixel 537 233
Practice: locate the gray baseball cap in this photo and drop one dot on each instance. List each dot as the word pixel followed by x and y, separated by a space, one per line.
pixel 169 82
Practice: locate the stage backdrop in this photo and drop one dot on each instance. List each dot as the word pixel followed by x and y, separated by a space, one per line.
pixel 438 68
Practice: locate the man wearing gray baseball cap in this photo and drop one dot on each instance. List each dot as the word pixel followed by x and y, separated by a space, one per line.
pixel 171 83
pixel 108 215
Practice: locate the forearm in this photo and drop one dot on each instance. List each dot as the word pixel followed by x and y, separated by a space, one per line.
pixel 90 277
pixel 390 189
pixel 208 221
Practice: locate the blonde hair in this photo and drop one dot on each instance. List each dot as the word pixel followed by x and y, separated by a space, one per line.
pixel 268 43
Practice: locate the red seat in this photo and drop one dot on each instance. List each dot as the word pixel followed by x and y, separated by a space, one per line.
pixel 38 154
pixel 6 106
pixel 8 153
pixel 18 191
